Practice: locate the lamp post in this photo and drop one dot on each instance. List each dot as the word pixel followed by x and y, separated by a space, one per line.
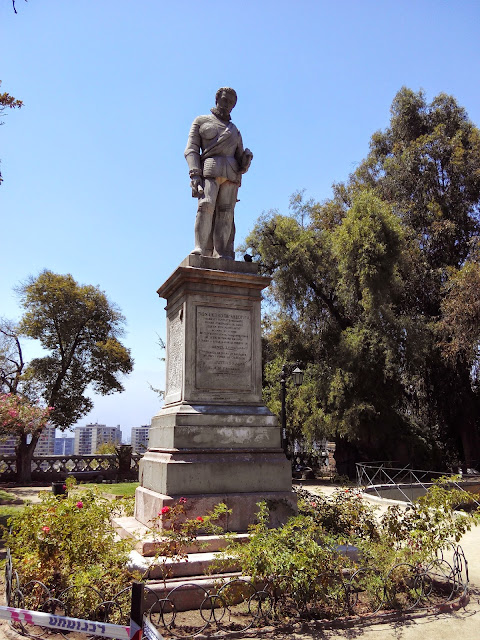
pixel 297 375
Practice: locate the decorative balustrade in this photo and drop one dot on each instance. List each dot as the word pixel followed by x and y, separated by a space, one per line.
pixel 94 467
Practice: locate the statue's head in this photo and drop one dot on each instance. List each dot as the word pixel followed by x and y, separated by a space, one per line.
pixel 227 93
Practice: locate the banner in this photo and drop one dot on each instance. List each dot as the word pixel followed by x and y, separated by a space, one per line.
pixel 63 623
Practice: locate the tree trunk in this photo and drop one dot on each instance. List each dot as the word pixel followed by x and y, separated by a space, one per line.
pixel 467 428
pixel 24 453
pixel 346 455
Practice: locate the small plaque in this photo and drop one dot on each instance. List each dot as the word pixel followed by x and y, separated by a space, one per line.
pixel 223 349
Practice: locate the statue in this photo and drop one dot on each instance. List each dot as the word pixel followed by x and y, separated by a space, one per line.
pixel 216 159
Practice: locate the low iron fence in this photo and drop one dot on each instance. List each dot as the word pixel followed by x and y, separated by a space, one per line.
pixel 235 604
pixel 408 483
pixel 82 467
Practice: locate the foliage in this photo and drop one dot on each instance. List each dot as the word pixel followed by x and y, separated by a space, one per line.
pixel 80 330
pixel 66 541
pixel 304 559
pixel 375 291
pixel 8 102
pixel 291 556
pixel 344 513
pixel 18 416
pixel 176 533
pixel 106 448
pixel 431 522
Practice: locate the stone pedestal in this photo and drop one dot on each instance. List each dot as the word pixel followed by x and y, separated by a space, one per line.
pixel 214 440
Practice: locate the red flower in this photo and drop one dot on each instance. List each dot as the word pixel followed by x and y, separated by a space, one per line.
pixel 64 487
pixel 314 504
pixel 182 501
pixel 199 518
pixel 164 510
pixel 46 529
pixel 80 504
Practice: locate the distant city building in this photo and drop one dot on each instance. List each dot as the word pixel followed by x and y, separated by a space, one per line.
pixel 89 438
pixel 45 445
pixel 140 439
pixel 64 446
pixel 7 446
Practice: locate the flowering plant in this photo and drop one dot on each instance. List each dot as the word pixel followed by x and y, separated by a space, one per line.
pixel 19 416
pixel 177 534
pixel 67 541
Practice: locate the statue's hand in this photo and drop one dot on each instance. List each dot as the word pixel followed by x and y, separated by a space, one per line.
pixel 197 187
pixel 247 158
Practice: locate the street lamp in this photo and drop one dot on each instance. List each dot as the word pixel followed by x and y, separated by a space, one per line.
pixel 297 375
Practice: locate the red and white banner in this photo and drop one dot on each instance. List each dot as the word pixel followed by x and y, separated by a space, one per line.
pixel 63 623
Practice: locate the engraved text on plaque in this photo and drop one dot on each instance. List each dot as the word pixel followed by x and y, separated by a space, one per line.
pixel 224 349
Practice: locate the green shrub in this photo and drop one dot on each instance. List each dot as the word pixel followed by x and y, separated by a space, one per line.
pixel 303 562
pixel 67 541
pixel 175 533
pixel 298 559
pixel 344 513
pixel 431 522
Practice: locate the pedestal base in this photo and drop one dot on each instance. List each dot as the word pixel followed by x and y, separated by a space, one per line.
pixel 282 505
pixel 214 440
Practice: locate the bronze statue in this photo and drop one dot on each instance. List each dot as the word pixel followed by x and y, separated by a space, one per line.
pixel 216 159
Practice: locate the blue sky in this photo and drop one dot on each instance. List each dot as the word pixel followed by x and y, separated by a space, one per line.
pixel 95 182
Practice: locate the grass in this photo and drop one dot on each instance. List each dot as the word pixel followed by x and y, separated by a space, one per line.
pixel 6 497
pixel 7 512
pixel 118 489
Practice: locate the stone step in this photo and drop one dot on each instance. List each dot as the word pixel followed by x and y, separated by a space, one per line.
pixel 147 541
pixel 162 567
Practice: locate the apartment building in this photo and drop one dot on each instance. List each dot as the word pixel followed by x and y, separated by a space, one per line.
pixel 89 438
pixel 140 439
pixel 45 445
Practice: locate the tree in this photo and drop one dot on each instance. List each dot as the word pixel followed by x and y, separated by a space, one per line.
pixel 427 165
pixel 19 418
pixel 79 329
pixel 8 102
pixel 106 448
pixel 376 292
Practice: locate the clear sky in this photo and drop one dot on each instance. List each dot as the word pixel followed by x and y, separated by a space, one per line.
pixel 95 181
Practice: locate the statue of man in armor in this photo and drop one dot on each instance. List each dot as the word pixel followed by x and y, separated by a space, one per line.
pixel 216 160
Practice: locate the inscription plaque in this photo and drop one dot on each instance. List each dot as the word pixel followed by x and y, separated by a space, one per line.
pixel 224 349
pixel 175 354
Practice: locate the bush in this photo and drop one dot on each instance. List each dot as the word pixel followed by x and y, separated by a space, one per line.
pixel 290 558
pixel 69 541
pixel 303 562
pixel 344 513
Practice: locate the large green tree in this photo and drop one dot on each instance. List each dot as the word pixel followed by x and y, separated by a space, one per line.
pixel 375 291
pixel 80 331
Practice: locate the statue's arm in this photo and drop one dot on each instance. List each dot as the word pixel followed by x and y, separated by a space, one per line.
pixel 192 150
pixel 243 156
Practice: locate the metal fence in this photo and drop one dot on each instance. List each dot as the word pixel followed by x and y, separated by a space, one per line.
pixel 235 604
pixel 376 476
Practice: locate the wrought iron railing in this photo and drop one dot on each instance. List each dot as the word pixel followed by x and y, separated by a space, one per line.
pixel 375 475
pixel 235 604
